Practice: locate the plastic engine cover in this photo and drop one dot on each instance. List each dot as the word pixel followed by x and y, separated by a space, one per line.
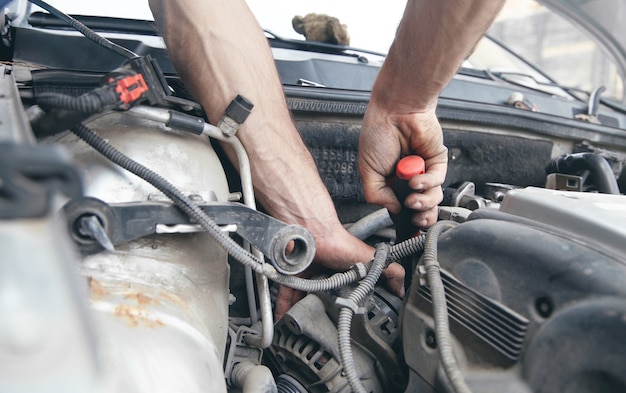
pixel 534 305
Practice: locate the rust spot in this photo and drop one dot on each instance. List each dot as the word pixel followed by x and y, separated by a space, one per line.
pixel 134 318
pixel 96 289
pixel 141 299
pixel 127 313
pixel 169 297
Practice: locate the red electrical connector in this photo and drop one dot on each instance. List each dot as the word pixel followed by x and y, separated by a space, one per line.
pixel 130 89
pixel 139 80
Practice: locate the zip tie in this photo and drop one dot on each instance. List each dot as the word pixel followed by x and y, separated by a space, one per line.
pixel 349 303
pixel 360 269
pixel 422 275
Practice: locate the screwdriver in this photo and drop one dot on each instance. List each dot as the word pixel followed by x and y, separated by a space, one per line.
pixel 406 168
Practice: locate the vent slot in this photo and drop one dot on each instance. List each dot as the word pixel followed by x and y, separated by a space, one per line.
pixel 496 325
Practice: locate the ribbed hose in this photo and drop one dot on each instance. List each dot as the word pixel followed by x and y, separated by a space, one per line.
pixel 86 31
pixel 337 280
pixel 440 308
pixel 171 192
pixel 188 207
pixel 95 101
pixel 407 248
pixel 346 313
pixel 383 253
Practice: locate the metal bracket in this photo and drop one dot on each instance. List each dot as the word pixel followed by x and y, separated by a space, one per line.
pixel 129 221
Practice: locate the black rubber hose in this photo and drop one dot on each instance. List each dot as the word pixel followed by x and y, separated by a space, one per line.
pixel 371 224
pixel 86 31
pixel 95 101
pixel 601 173
pixel 52 122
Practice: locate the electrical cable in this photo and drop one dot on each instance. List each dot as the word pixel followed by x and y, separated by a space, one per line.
pixel 96 101
pixel 440 308
pixel 86 31
pixel 374 268
pixel 349 308
pixel 337 280
pixel 193 211
pixel 410 246
pixel 184 203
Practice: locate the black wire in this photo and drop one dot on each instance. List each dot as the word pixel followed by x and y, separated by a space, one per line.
pixel 95 101
pixel 184 203
pixel 86 31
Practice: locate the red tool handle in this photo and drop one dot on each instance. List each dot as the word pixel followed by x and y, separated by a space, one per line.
pixel 410 166
pixel 406 168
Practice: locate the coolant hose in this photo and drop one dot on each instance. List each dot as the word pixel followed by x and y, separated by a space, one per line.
pixel 349 307
pixel 371 224
pixel 600 170
pixel 440 308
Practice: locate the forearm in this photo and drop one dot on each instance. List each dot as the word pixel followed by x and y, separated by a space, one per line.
pixel 432 41
pixel 220 51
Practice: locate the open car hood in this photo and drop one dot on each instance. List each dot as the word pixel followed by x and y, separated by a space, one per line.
pixel 603 19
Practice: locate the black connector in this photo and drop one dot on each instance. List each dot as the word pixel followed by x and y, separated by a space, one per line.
pixel 239 109
pixel 235 114
pixel 154 78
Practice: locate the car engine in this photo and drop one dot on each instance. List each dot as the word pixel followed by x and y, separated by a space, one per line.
pixel 133 257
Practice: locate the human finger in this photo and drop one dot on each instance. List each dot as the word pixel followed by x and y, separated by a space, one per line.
pixel 284 300
pixel 393 276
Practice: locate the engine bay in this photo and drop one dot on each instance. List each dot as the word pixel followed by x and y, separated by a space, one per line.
pixel 134 257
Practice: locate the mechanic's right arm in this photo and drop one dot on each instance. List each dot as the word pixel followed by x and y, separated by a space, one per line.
pixel 219 50
pixel 432 41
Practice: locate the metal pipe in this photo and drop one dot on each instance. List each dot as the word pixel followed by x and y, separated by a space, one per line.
pixel 249 277
pixel 267 318
pixel 267 335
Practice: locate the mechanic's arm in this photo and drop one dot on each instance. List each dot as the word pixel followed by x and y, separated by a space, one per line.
pixel 219 51
pixel 433 39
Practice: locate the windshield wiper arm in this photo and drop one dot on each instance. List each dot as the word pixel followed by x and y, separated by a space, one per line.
pixel 594 101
